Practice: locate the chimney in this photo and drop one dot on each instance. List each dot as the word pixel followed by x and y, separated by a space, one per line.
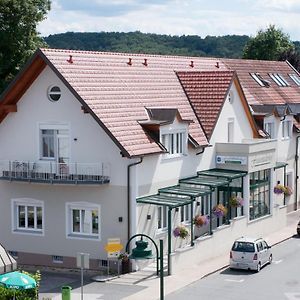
pixel 145 63
pixel 129 63
pixel 70 60
pixel 191 64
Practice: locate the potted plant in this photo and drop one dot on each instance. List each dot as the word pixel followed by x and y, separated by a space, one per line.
pixel 181 231
pixel 200 220
pixel 219 210
pixel 288 191
pixel 125 266
pixel 236 201
pixel 279 189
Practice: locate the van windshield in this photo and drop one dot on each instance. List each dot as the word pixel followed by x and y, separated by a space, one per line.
pixel 243 247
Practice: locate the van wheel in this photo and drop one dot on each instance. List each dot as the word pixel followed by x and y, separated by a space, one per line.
pixel 258 267
pixel 270 259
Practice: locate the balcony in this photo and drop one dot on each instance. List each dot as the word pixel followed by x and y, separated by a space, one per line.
pixel 53 172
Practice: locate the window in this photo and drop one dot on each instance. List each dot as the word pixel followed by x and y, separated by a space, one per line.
pixel 289 179
pixel 27 215
pixel 258 78
pixel 175 143
pixel 54 93
pixel 230 129
pixel 83 220
pixel 295 78
pixel 286 129
pixel 204 202
pixel 259 202
pixel 269 128
pixel 185 213
pixel 279 79
pixel 54 142
pixel 162 218
pixel 56 259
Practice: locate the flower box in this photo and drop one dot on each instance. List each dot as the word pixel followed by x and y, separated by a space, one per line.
pixel 200 220
pixel 236 201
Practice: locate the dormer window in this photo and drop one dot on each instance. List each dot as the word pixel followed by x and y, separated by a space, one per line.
pixel 279 79
pixel 286 129
pixel 175 143
pixel 258 78
pixel 295 78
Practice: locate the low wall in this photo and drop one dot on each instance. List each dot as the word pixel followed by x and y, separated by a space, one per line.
pixel 209 247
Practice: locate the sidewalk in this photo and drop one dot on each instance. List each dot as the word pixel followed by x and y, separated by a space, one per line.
pixel 190 275
pixel 145 284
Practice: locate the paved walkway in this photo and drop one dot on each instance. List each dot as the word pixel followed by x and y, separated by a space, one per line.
pixel 143 285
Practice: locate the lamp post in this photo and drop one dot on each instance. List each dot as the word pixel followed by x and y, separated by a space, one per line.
pixel 142 252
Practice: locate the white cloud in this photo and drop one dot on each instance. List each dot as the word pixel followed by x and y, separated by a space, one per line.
pixel 174 17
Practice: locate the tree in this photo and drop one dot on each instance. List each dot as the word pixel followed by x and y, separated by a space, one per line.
pixel 268 44
pixel 18 34
pixel 293 57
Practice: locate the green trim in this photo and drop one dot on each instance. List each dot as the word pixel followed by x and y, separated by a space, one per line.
pixel 185 191
pixel 280 165
pixel 204 181
pixel 163 200
pixel 223 173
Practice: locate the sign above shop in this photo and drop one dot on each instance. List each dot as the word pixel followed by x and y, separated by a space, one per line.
pixel 222 159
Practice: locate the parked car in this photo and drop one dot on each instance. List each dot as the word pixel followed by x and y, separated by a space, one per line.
pixel 250 254
pixel 298 228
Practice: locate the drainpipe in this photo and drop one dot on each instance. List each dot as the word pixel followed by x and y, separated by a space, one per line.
pixel 296 177
pixel 128 196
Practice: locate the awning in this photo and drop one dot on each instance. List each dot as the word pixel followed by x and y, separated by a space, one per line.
pixel 186 190
pixel 164 200
pixel 211 182
pixel 228 174
pixel 280 165
pixel 7 262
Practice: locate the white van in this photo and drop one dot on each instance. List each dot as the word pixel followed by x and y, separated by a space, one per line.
pixel 250 254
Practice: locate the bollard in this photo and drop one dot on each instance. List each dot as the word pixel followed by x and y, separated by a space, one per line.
pixel 66 293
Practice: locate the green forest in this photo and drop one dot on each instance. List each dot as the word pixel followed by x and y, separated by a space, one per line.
pixel 230 46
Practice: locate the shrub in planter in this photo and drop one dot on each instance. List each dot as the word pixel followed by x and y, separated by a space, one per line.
pixel 236 201
pixel 181 231
pixel 200 220
pixel 279 189
pixel 219 210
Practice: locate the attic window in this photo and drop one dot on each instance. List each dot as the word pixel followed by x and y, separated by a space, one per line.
pixel 295 78
pixel 258 78
pixel 280 81
pixel 54 93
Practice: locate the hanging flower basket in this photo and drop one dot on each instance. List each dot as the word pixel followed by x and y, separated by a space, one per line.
pixel 236 201
pixel 200 220
pixel 279 189
pixel 288 191
pixel 219 210
pixel 181 231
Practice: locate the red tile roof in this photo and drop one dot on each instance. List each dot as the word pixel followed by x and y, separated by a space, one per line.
pixel 117 90
pixel 207 92
pixel 274 94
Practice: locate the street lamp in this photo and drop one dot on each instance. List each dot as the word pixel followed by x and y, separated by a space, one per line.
pixel 141 251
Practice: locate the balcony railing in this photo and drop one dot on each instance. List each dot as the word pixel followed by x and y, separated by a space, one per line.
pixel 53 172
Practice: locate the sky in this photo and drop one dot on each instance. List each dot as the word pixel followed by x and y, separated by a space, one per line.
pixel 173 17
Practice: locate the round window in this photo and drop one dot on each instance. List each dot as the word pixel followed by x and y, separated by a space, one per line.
pixel 54 93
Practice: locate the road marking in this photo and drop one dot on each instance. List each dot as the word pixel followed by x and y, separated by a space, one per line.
pixel 292 296
pixel 235 280
pixel 276 262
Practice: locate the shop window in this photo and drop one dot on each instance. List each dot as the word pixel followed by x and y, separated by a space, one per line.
pixel 162 218
pixel 259 202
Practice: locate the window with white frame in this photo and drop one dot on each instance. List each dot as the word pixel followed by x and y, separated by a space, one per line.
pixel 185 213
pixel 295 78
pixel 286 129
pixel 175 142
pixel 258 78
pixel 54 142
pixel 83 220
pixel 279 79
pixel 162 218
pixel 270 129
pixel 28 215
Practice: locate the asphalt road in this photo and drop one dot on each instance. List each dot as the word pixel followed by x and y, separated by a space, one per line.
pixel 278 281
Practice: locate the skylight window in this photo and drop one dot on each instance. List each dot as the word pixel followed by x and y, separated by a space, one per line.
pixel 295 78
pixel 258 78
pixel 279 79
